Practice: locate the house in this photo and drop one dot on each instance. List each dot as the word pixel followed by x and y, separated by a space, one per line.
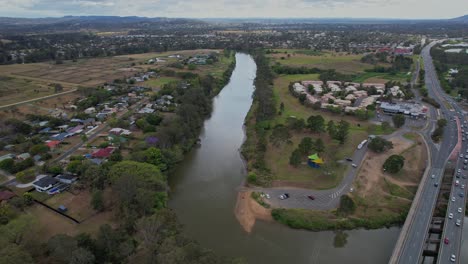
pixel 103 153
pixel 90 110
pixel 66 178
pixel 6 195
pixel 376 85
pixel 23 156
pixel 52 143
pixel 120 131
pixel 59 137
pixel 45 183
pixel 298 88
pixel 46 130
pixel 395 91
pixel 453 71
pixel 7 156
pixel 350 89
pixel 43 123
pixel 88 121
pixel 9 147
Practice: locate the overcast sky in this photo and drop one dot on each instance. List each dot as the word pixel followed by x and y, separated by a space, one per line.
pixel 238 8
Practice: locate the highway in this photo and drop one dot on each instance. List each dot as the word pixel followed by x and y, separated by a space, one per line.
pixel 418 223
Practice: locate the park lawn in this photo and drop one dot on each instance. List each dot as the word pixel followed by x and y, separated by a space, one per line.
pixel 341 62
pixel 329 176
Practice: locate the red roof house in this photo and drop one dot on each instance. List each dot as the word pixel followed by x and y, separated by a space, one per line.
pixel 103 153
pixel 6 195
pixel 53 144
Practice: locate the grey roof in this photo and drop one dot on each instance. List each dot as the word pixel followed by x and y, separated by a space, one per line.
pixel 46 181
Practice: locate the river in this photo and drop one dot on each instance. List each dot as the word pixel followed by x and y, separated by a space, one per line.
pixel 204 192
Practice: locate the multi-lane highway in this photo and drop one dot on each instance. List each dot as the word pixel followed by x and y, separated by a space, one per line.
pixel 409 249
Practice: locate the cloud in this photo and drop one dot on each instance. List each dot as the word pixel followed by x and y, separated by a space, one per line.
pixel 236 8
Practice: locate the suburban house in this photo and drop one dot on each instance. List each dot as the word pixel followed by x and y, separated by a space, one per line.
pixel 103 153
pixel 45 183
pixel 66 178
pixel 6 195
pixel 23 156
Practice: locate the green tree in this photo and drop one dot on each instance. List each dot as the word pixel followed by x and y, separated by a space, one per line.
pixel 442 122
pixel 61 247
pixel 252 178
pixel 342 131
pixel 319 145
pixel 385 126
pixel 316 123
pixel 97 200
pixel 295 158
pixel 347 205
pixel 38 149
pixel 82 256
pixel 12 253
pixel 331 128
pixel 379 145
pixel 7 165
pixel 154 156
pixel 398 120
pixel 74 166
pixel 306 145
pixel 394 164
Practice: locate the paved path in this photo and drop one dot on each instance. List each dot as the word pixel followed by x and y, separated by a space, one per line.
pixel 38 99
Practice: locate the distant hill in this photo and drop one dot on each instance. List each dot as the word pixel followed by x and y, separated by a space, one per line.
pixel 74 23
pixel 463 19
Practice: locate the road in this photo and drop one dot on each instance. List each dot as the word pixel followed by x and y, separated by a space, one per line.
pixel 417 225
pixel 38 99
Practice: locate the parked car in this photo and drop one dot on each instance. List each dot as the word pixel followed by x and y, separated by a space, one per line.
pixel 463 186
pixel 62 208
pixel 450 216
pixel 311 197
pixel 284 196
pixel 461 195
pixel 453 199
pixel 433 176
pixel 458 222
pixel 453 258
pixel 349 159
pixel 446 241
pixel 436 184
pixel 457 182
pixel 459 210
pixel 354 165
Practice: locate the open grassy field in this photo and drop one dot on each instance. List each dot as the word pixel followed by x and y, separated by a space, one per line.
pixel 14 89
pixel 158 82
pixel 341 62
pixel 377 77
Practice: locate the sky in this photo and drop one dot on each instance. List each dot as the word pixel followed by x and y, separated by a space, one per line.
pixel 412 9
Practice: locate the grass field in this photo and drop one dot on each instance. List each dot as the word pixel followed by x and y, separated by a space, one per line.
pixel 328 60
pixel 377 77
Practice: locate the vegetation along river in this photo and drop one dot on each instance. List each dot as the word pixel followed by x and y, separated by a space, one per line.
pixel 204 192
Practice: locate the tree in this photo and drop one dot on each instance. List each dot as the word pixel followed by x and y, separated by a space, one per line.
pixel 398 120
pixel 84 138
pixel 342 131
pixel 379 145
pixel 319 145
pixel 7 165
pixel 82 256
pixel 306 145
pixel 295 158
pixel 316 123
pixel 394 164
pixel 38 149
pixel 347 205
pixel 61 247
pixel 442 122
pixel 331 128
pixel 385 126
pixel 12 253
pixel 74 166
pixel 97 200
pixel 154 156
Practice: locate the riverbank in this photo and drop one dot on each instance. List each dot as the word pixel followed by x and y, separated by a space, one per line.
pixel 248 211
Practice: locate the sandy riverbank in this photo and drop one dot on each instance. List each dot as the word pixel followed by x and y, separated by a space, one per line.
pixel 247 211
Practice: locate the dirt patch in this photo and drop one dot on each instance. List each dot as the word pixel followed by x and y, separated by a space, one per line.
pixel 371 175
pixel 247 211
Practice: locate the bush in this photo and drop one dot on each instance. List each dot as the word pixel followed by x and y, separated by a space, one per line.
pixel 379 144
pixel 25 176
pixel 394 164
pixel 252 178
pixel 347 205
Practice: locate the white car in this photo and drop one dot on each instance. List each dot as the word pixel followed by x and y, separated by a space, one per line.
pixel 460 210
pixel 463 186
pixel 433 176
pixel 267 196
pixel 453 258
pixel 458 223
pixel 450 216
pixel 453 199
